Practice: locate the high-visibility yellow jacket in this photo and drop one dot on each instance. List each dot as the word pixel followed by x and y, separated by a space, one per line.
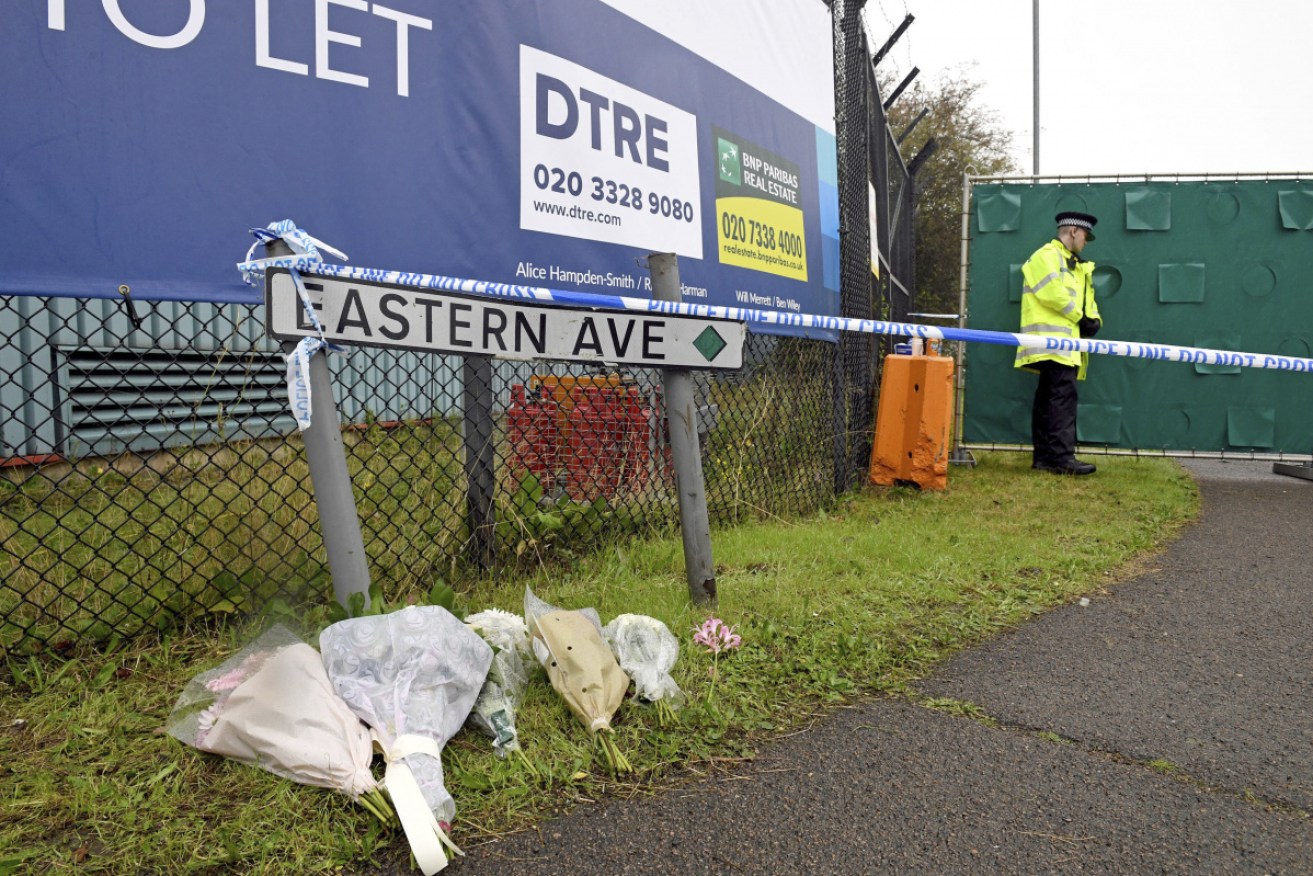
pixel 1057 290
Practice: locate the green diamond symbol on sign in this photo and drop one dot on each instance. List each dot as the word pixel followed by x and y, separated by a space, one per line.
pixel 709 343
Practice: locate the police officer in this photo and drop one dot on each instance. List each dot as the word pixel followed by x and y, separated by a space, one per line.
pixel 1057 300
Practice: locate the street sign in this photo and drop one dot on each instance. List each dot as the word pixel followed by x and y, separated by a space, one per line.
pixel 387 315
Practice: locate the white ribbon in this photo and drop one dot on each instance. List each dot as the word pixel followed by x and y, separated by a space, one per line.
pixel 298 378
pixel 305 255
pixel 425 835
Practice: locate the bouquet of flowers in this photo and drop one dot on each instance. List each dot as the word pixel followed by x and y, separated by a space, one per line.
pixel 508 676
pixel 647 651
pixel 581 668
pixel 271 705
pixel 413 676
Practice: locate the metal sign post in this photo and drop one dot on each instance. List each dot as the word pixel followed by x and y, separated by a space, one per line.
pixel 477 430
pixel 682 418
pixel 339 522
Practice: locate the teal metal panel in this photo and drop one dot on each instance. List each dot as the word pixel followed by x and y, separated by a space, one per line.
pixel 395 385
pixel 1217 263
pixel 28 395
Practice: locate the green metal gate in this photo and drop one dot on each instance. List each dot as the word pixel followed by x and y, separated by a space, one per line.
pixel 1219 263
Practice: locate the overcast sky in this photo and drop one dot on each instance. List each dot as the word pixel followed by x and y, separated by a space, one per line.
pixel 1126 86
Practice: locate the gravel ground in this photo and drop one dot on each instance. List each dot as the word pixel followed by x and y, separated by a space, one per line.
pixel 1177 738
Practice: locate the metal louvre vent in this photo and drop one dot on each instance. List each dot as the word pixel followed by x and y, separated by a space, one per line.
pixel 121 400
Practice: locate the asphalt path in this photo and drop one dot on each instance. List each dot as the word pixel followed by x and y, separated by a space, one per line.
pixel 1165 727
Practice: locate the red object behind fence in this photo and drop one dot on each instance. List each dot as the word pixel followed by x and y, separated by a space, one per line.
pixel 531 430
pixel 593 437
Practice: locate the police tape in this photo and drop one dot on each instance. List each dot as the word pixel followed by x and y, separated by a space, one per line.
pixel 304 251
pixel 304 255
pixel 306 258
pixel 1133 349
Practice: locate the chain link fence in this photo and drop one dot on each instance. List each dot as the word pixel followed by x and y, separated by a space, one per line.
pixel 150 471
pixel 855 357
pixel 154 473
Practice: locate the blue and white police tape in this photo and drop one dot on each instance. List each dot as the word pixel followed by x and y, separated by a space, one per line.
pixel 298 378
pixel 305 255
pixel 305 251
pixel 1134 349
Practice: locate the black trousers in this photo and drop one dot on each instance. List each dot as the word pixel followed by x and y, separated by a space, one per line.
pixel 1053 416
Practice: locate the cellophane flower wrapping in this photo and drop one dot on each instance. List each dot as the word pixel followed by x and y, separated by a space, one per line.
pixel 416 672
pixel 647 651
pixel 578 661
pixel 508 677
pixel 534 608
pixel 272 705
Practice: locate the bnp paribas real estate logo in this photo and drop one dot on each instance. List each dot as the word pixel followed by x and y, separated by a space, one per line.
pixel 731 167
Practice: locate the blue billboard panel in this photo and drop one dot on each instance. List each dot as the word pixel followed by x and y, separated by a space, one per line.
pixel 513 141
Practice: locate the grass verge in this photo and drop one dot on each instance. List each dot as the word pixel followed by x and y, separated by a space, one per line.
pixel 856 601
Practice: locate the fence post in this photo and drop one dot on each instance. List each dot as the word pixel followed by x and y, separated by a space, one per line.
pixel 858 119
pixel 685 449
pixel 480 456
pixel 339 522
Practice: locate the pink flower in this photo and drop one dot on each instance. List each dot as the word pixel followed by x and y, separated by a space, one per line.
pixel 716 636
pixel 205 723
pixel 233 678
pixel 228 681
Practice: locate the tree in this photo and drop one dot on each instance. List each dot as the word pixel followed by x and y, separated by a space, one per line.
pixel 970 139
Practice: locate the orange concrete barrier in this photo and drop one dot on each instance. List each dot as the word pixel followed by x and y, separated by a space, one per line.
pixel 913 423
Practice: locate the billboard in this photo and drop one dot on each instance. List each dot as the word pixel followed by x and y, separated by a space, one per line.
pixel 548 144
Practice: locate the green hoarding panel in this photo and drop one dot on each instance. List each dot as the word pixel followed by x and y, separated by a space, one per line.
pixel 1222 264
